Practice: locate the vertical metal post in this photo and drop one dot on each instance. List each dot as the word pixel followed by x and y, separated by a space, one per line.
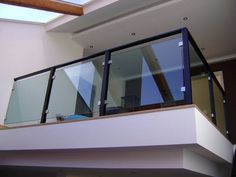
pixel 226 118
pixel 105 80
pixel 186 62
pixel 212 99
pixel 47 96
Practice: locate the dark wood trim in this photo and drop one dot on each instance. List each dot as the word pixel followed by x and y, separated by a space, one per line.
pixel 48 5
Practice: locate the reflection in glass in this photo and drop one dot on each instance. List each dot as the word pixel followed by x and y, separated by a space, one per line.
pixel 27 99
pixel 151 74
pixel 219 108
pixel 200 85
pixel 76 90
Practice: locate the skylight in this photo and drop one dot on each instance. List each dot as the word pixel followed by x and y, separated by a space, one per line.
pixel 10 12
pixel 78 2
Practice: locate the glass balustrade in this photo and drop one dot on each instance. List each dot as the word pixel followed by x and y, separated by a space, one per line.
pixel 27 100
pixel 76 91
pixel 207 93
pixel 199 83
pixel 147 74
pixel 219 107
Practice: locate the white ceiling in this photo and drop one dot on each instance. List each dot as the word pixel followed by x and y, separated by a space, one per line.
pixel 211 22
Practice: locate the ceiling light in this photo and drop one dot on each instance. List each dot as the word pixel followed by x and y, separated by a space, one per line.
pixel 203 49
pixel 185 18
pixel 133 34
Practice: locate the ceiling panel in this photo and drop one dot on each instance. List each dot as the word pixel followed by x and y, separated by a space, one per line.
pixel 211 22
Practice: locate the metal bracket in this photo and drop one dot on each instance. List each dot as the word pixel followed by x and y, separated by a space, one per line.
pixel 13 87
pixel 47 111
pixel 109 62
pixel 99 102
pixel 53 77
pixel 224 101
pixel 209 78
pixel 183 89
pixel 180 44
pixel 212 115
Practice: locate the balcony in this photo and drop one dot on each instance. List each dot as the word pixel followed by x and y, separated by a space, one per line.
pixel 162 71
pixel 154 96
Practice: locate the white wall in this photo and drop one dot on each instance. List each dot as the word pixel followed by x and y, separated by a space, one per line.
pixel 25 48
pixel 155 139
pixel 147 129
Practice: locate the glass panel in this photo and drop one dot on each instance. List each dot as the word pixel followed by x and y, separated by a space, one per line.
pixel 76 91
pixel 219 108
pixel 145 75
pixel 27 99
pixel 200 86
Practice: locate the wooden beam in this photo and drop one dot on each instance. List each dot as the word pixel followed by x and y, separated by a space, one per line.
pixel 48 5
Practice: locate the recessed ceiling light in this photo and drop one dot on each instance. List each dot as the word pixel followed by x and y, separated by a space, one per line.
pixel 185 18
pixel 133 34
pixel 202 48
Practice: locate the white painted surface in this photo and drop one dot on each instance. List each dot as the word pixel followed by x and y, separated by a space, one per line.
pixel 148 129
pixel 97 12
pixel 27 48
pixel 153 129
pixel 200 164
pixel 206 27
pixel 95 5
pixel 166 139
pixel 210 138
pixel 143 158
pixel 72 20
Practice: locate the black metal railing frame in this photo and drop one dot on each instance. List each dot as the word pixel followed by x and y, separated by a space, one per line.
pixel 186 39
pixel 211 77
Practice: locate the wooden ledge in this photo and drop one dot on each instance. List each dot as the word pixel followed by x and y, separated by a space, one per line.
pixel 48 5
pixel 2 127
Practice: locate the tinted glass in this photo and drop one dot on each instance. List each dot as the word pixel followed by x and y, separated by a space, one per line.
pixel 200 85
pixel 76 91
pixel 27 99
pixel 219 108
pixel 150 74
